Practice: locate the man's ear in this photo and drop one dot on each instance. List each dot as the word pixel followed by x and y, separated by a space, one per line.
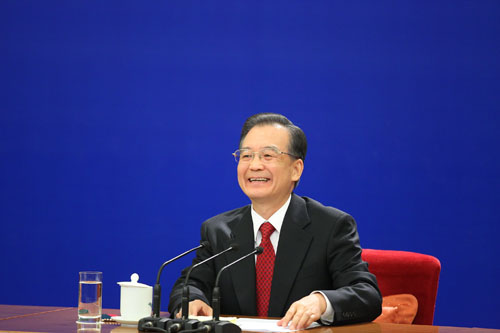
pixel 297 169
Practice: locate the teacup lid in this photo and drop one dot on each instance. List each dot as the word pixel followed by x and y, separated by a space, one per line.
pixel 133 282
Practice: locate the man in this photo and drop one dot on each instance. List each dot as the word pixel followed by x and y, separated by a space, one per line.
pixel 311 268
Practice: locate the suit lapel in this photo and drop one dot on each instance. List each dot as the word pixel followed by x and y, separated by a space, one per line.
pixel 293 245
pixel 243 274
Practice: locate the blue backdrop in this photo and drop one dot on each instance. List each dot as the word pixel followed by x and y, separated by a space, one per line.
pixel 118 120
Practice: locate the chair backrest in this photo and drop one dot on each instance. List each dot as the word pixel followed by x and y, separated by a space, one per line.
pixel 400 272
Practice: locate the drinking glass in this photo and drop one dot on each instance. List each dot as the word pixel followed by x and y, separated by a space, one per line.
pixel 90 297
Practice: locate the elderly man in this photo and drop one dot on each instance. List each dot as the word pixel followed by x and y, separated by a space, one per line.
pixel 311 268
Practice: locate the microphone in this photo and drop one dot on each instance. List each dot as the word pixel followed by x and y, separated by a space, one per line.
pixel 157 287
pixel 185 289
pixel 215 324
pixel 151 323
pixel 216 293
pixel 185 324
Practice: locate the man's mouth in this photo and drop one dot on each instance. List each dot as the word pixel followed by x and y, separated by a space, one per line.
pixel 258 179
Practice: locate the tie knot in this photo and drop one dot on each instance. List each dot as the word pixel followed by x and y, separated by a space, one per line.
pixel 266 229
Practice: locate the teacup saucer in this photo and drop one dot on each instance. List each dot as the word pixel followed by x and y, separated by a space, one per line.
pixel 125 321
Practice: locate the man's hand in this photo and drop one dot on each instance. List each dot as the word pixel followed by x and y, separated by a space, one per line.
pixel 197 308
pixel 304 312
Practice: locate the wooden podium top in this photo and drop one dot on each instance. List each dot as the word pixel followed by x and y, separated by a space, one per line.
pixel 21 318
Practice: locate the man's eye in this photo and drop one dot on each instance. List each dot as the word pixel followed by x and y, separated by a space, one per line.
pixel 246 156
pixel 268 156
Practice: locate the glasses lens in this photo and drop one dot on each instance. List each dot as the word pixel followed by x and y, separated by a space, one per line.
pixel 265 155
pixel 269 154
pixel 245 155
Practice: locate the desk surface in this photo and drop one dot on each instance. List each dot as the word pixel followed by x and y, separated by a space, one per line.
pixel 17 318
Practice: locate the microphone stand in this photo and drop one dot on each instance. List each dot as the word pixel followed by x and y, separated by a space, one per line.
pixel 155 323
pixel 224 326
pixel 185 288
pixel 184 323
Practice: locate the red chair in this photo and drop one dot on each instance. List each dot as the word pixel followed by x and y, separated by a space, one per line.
pixel 400 272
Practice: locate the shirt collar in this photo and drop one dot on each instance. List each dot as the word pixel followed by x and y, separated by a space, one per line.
pixel 276 219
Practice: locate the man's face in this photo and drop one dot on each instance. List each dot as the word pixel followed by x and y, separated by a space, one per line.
pixel 268 182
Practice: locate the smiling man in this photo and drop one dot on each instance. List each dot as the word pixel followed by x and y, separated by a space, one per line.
pixel 311 268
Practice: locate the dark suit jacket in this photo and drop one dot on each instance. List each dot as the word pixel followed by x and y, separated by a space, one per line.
pixel 318 249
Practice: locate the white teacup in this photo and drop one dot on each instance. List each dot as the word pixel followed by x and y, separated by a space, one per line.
pixel 135 299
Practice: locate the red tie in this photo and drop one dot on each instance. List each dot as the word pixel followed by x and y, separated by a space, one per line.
pixel 264 270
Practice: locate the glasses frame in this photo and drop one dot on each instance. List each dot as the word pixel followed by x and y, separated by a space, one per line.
pixel 238 160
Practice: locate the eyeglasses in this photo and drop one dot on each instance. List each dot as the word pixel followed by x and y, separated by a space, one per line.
pixel 266 155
